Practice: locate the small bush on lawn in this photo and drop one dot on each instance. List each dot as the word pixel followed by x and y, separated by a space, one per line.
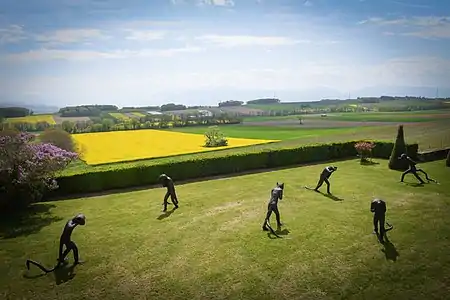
pixel 215 138
pixel 364 150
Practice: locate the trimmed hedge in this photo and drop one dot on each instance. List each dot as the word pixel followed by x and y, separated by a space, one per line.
pixel 139 175
pixel 447 161
pixel 434 155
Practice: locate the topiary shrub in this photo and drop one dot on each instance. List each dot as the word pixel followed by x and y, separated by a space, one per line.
pixel 399 148
pixel 215 138
pixel 447 162
pixel 60 138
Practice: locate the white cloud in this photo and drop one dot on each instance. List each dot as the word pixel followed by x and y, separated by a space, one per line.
pixel 80 55
pixel 145 35
pixel 245 40
pixel 423 27
pixel 12 34
pixel 65 36
pixel 216 2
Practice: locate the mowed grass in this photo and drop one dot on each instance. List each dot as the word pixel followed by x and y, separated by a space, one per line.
pixel 33 119
pixel 390 116
pixel 118 146
pixel 119 116
pixel 213 246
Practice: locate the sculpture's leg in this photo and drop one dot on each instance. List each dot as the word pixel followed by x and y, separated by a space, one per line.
pixel 165 201
pixel 405 173
pixel 375 223
pixel 319 184
pixel 269 212
pixel 418 177
pixel 328 185
pixel 277 215
pixel 173 197
pixel 425 173
pixel 75 252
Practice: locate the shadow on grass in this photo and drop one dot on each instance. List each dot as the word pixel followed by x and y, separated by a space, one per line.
pixel 166 214
pixel 26 222
pixel 279 232
pixel 389 250
pixel 64 274
pixel 415 184
pixel 330 196
pixel 369 163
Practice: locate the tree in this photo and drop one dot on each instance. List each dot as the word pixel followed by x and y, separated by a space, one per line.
pixel 215 138
pixel 447 162
pixel 59 138
pixel 27 169
pixel 399 148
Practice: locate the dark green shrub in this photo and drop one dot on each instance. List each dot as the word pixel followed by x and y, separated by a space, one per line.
pixel 399 148
pixel 447 162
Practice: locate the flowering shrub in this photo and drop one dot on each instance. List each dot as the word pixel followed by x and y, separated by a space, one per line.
pixel 27 169
pixel 215 138
pixel 364 150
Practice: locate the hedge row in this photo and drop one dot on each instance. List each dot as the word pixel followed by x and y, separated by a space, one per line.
pixel 97 181
pixel 434 155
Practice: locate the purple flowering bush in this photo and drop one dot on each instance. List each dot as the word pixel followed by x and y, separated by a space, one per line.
pixel 28 169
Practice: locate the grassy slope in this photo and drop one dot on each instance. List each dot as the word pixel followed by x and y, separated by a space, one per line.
pixel 213 246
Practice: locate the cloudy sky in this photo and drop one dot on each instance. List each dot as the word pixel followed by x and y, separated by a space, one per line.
pixel 138 52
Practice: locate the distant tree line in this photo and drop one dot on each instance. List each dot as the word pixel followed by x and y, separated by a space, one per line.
pixel 107 123
pixel 86 110
pixel 14 112
pixel 264 101
pixel 230 103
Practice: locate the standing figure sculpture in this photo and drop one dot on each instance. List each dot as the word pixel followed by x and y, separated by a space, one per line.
pixel 275 195
pixel 378 208
pixel 167 182
pixel 324 176
pixel 413 169
pixel 65 240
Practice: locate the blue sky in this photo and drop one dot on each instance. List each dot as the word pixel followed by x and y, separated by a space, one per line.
pixel 138 52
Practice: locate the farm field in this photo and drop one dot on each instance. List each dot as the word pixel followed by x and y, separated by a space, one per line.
pixel 33 119
pixel 429 136
pixel 119 116
pixel 213 246
pixel 138 114
pixel 117 146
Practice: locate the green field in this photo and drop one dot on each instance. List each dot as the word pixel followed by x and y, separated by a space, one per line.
pixel 213 246
pixel 429 136
pixel 270 132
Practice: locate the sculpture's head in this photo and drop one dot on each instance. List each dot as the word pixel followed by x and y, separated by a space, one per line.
pixel 335 168
pixel 280 185
pixel 162 177
pixel 80 219
pixel 403 155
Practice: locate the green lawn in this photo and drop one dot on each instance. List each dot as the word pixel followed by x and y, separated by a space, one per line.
pixel 213 246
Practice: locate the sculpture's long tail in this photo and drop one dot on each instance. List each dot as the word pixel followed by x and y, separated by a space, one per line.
pixel 390 227
pixel 271 229
pixel 29 261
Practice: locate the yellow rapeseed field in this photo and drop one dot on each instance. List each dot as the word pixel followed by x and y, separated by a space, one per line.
pixel 116 146
pixel 138 114
pixel 33 119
